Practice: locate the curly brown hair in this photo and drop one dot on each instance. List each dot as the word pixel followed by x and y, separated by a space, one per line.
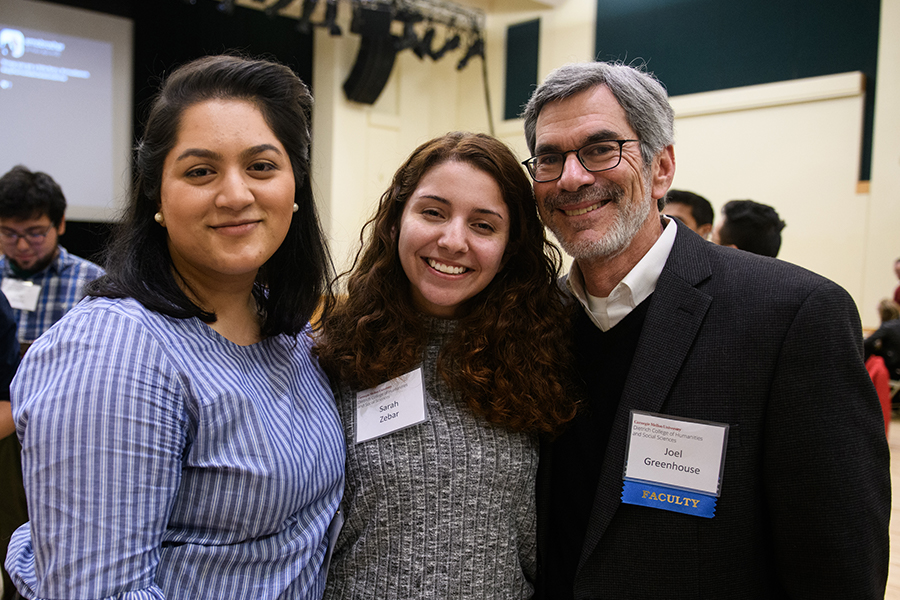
pixel 509 355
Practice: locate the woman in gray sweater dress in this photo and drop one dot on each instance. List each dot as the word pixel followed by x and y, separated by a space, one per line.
pixel 448 358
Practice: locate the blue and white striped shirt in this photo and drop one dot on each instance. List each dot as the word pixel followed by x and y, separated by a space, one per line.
pixel 62 286
pixel 162 461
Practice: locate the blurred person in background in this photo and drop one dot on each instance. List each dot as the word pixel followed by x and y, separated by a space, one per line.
pixel 885 341
pixel 750 226
pixel 41 279
pixel 13 509
pixel 692 209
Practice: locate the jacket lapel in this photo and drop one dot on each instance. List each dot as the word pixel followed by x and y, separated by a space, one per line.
pixel 676 312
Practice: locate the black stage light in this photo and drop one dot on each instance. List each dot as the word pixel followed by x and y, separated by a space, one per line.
pixel 330 16
pixel 476 49
pixel 377 51
pixel 303 25
pixel 424 45
pixel 409 39
pixel 271 11
pixel 450 44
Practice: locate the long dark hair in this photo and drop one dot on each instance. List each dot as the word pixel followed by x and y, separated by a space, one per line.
pixel 509 354
pixel 290 284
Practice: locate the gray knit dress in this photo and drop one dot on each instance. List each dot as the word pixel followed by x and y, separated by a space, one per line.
pixel 444 509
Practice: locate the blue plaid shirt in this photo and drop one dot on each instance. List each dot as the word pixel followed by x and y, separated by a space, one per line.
pixel 62 286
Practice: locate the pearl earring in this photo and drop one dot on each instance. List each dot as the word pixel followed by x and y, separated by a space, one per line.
pixel 158 217
pixel 296 208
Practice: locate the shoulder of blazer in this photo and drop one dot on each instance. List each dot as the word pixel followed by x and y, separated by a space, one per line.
pixel 689 259
pixel 708 266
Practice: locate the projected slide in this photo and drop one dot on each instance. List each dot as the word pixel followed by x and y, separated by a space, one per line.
pixel 60 103
pixel 55 107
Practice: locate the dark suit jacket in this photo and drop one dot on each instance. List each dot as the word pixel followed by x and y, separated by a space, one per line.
pixel 776 352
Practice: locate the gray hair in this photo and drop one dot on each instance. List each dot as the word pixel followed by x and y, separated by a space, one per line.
pixel 640 94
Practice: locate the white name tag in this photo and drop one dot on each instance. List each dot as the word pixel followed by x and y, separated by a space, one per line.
pixel 22 295
pixel 679 453
pixel 394 405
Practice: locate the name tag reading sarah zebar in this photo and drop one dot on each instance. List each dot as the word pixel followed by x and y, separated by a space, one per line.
pixel 391 406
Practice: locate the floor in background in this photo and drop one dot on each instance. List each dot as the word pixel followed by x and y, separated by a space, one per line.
pixel 893 585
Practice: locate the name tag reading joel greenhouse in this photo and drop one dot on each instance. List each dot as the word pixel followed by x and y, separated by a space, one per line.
pixel 393 405
pixel 674 464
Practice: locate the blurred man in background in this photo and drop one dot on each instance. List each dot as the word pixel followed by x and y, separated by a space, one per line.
pixel 39 277
pixel 692 209
pixel 750 226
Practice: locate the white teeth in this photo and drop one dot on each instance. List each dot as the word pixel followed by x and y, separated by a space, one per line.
pixel 446 268
pixel 581 211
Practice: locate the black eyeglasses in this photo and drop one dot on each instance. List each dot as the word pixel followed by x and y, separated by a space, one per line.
pixel 598 156
pixel 32 237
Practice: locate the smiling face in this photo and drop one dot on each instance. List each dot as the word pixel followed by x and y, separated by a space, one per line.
pixel 603 214
pixel 227 193
pixel 453 233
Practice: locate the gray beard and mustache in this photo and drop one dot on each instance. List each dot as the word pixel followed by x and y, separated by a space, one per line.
pixel 630 216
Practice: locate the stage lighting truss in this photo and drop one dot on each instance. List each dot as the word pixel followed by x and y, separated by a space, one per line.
pixel 429 28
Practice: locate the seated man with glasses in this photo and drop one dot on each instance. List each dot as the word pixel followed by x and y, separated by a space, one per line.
pixel 39 277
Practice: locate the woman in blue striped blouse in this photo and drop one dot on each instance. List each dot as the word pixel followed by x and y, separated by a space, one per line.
pixel 178 441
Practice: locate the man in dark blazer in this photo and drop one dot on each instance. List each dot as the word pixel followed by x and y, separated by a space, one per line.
pixel 685 331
